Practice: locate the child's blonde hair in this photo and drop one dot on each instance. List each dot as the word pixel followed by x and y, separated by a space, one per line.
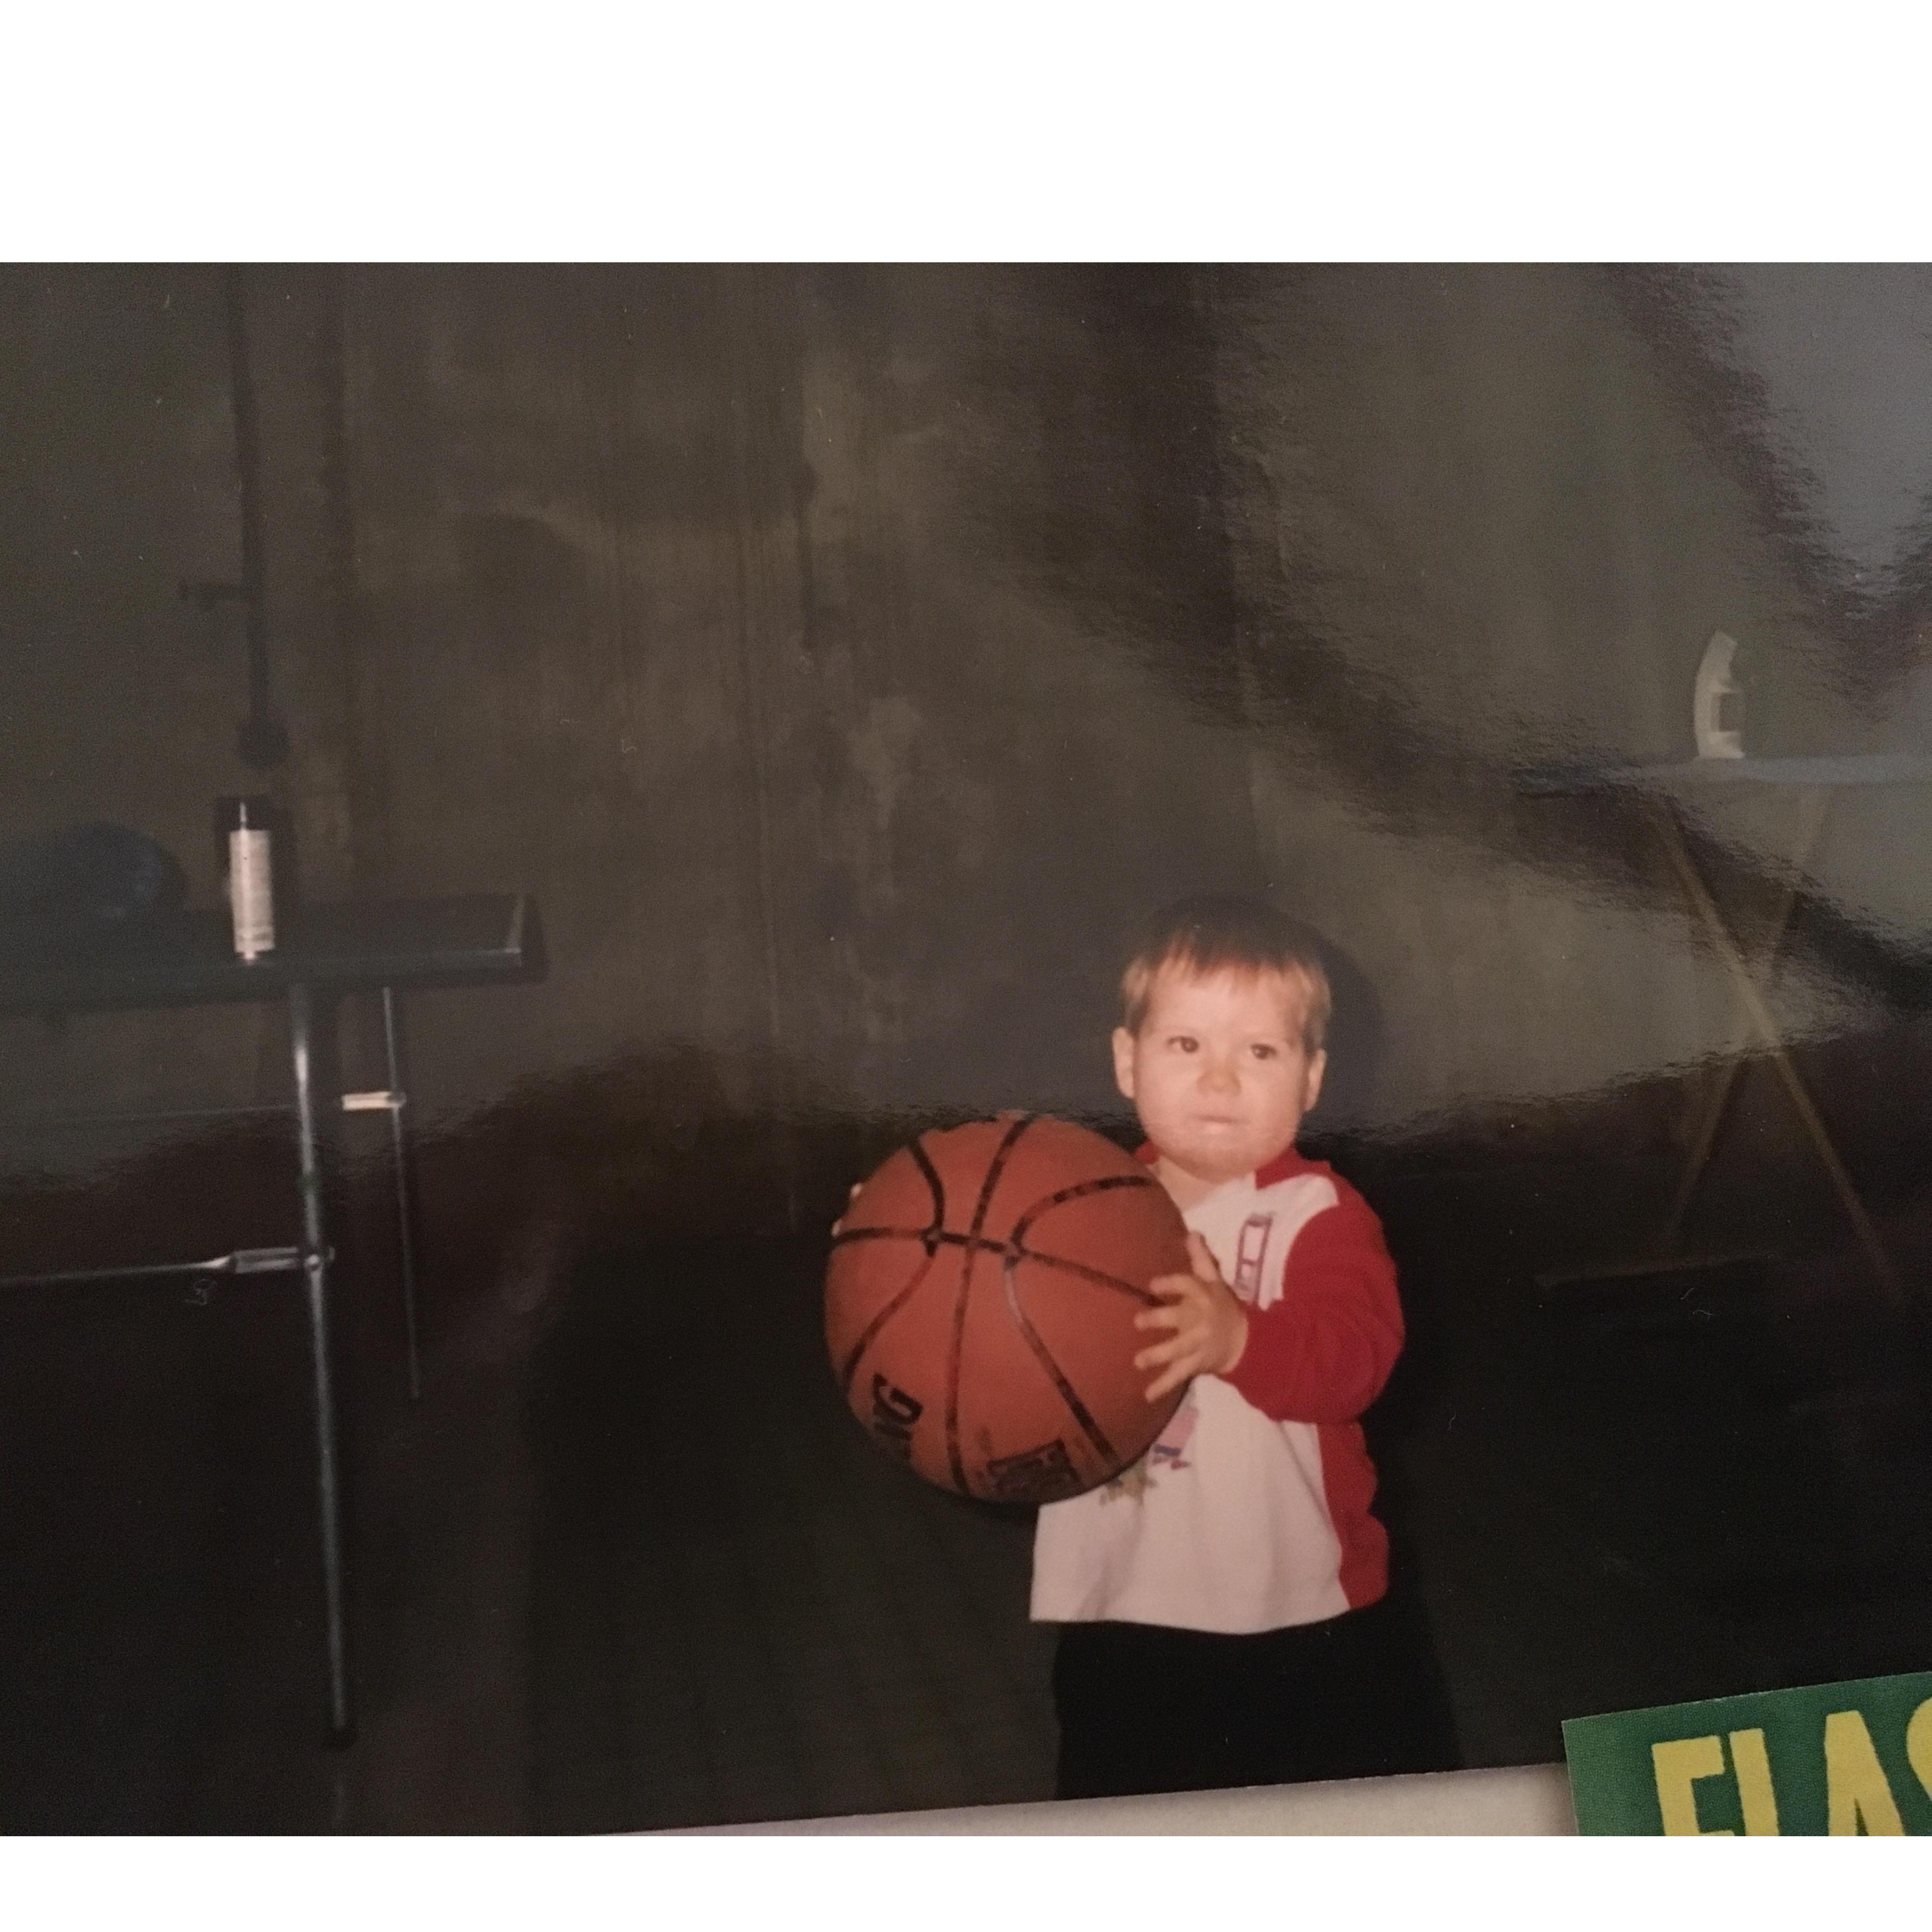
pixel 1221 932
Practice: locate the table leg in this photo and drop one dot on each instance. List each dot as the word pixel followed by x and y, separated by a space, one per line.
pixel 315 1268
pixel 1704 1136
pixel 1766 1028
pixel 398 1094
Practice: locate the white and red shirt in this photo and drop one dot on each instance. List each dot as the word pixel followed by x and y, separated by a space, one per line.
pixel 1251 1510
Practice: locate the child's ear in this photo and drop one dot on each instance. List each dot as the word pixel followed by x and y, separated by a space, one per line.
pixel 1318 1065
pixel 1123 1061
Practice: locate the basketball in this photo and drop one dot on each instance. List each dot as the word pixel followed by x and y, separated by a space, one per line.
pixel 980 1306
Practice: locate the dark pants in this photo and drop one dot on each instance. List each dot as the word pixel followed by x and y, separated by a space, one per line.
pixel 1144 1708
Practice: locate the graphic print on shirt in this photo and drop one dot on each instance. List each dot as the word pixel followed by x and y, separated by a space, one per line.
pixel 1250 1251
pixel 1170 1447
pixel 1167 1451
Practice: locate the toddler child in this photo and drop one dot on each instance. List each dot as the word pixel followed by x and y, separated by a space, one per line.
pixel 1224 1600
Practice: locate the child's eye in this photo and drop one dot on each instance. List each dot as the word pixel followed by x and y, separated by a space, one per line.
pixel 1184 1042
pixel 1263 1052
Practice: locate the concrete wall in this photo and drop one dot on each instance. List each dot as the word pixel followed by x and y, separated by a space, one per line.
pixel 1472 535
pixel 694 603
pixel 845 658
pixel 117 699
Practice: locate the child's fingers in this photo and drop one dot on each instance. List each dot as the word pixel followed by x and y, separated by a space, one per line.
pixel 1171 1316
pixel 1202 1257
pixel 1160 1354
pixel 1181 1371
pixel 1184 1351
pixel 851 1195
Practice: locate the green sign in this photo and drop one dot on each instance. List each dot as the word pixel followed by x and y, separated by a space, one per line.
pixel 1837 1759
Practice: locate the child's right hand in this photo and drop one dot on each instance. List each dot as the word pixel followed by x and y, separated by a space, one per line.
pixel 1207 1326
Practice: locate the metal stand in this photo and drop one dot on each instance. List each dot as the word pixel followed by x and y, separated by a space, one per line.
pixel 313 1260
pixel 1703 1139
pixel 315 1269
pixel 1664 789
pixel 1758 1016
pixel 472 941
pixel 391 1100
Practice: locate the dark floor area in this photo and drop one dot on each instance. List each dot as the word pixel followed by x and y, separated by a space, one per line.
pixel 160 1583
pixel 741 1609
pixel 629 1564
pixel 1657 1486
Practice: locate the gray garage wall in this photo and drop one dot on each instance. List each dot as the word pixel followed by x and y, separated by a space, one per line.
pixel 845 658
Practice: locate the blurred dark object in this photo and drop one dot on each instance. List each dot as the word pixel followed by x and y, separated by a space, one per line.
pixel 69 889
pixel 262 738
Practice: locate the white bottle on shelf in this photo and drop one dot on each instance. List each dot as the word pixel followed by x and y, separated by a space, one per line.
pixel 251 897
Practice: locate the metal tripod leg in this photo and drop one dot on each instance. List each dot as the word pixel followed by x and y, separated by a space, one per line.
pixel 1704 1136
pixel 1767 1031
pixel 315 1269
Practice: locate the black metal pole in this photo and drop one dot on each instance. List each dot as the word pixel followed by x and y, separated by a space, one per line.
pixel 262 741
pixel 315 1267
pixel 398 1099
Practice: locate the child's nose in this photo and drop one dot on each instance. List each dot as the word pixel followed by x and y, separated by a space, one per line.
pixel 1219 1074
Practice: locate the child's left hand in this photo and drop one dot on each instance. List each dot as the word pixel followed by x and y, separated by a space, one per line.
pixel 1210 1325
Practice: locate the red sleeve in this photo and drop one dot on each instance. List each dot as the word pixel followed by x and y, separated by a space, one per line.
pixel 1322 1352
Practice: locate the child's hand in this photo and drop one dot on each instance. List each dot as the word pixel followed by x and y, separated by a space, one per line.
pixel 849 1198
pixel 1210 1325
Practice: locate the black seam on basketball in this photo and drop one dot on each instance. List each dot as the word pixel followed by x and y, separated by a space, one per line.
pixel 947 1238
pixel 1075 1193
pixel 995 1167
pixel 1094 1275
pixel 1044 1356
pixel 878 1321
pixel 952 1455
pixel 917 1150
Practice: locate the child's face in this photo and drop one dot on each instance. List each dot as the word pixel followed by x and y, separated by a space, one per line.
pixel 1218 1072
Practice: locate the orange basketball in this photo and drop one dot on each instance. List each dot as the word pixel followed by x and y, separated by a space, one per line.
pixel 980 1306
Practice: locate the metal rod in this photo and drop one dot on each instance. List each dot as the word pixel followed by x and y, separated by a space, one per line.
pixel 263 740
pixel 402 1192
pixel 34 1124
pixel 315 1266
pixel 243 1261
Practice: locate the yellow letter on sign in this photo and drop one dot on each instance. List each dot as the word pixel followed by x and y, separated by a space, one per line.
pixel 1753 1769
pixel 1678 1766
pixel 1857 1795
pixel 1919 1743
